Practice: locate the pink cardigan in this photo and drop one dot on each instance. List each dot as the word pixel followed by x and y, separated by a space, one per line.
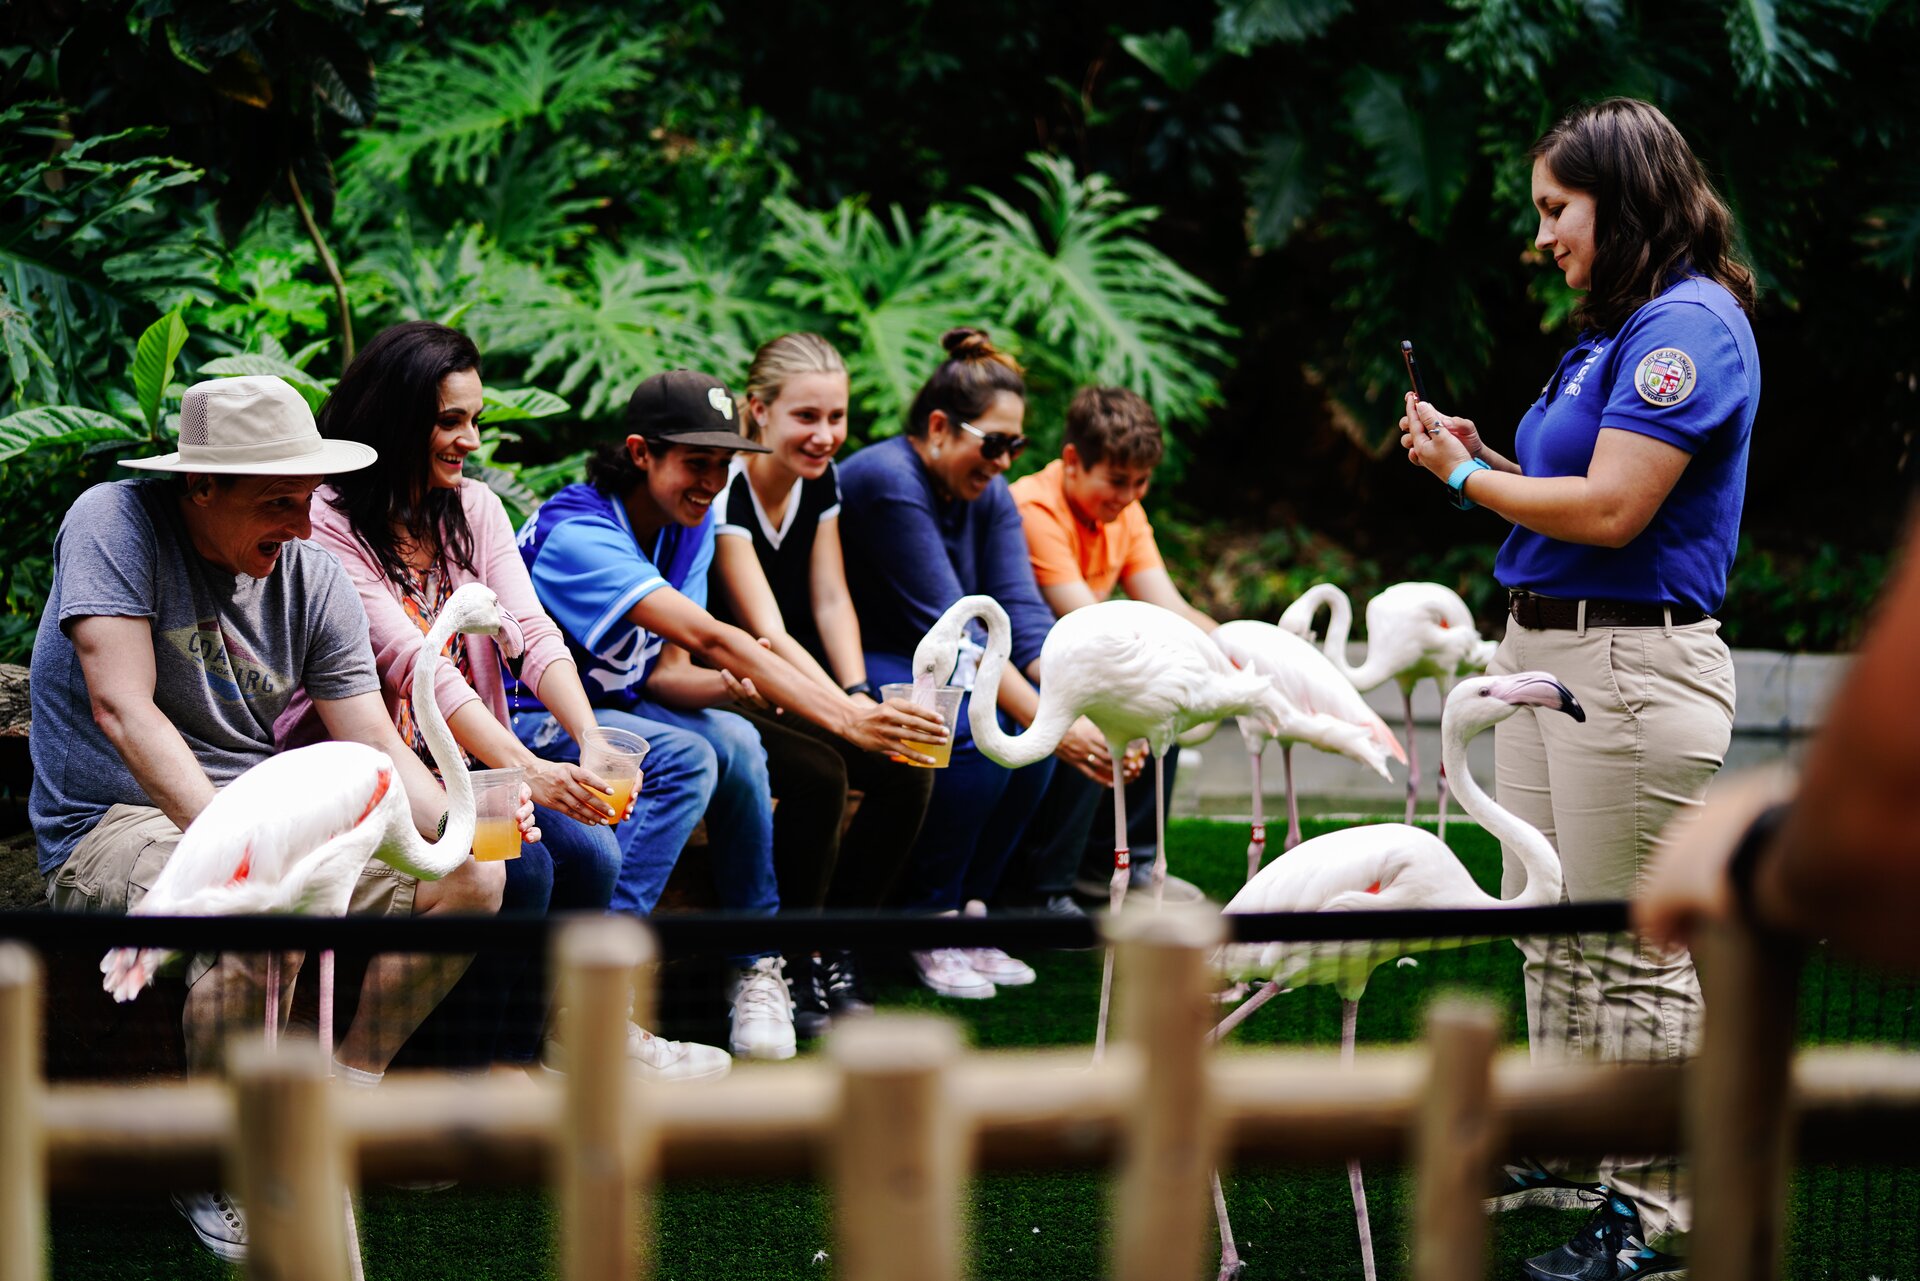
pixel 526 631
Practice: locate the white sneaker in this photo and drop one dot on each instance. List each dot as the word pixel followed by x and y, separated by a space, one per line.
pixel 653 1058
pixel 762 1011
pixel 658 1059
pixel 993 964
pixel 947 971
pixel 217 1220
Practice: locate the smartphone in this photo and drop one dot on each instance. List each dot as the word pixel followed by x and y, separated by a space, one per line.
pixel 1413 370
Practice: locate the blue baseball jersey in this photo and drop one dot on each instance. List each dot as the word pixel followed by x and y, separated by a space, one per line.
pixel 589 571
pixel 1682 369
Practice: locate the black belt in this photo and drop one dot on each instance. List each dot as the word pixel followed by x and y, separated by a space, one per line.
pixel 1551 613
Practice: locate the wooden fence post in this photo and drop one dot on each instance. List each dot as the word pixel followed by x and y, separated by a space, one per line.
pixel 899 1155
pixel 23 1165
pixel 606 1160
pixel 1454 1142
pixel 290 1161
pixel 1161 1200
pixel 1739 1116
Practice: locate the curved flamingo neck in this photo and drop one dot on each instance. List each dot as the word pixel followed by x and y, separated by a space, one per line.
pixel 1050 722
pixel 1376 668
pixel 456 841
pixel 1535 852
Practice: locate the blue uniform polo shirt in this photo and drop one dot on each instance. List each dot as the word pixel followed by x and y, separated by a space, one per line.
pixel 589 572
pixel 1683 369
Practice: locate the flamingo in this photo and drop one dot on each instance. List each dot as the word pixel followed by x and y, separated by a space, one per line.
pixel 1385 867
pixel 1329 715
pixel 292 833
pixel 1414 630
pixel 1136 671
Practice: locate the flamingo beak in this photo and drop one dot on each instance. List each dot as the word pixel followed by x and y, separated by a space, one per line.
pixel 1536 689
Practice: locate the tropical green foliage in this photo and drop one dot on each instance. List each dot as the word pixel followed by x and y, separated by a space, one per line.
pixel 1236 208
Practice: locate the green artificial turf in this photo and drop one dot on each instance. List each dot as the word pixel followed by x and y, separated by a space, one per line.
pixel 1289 1223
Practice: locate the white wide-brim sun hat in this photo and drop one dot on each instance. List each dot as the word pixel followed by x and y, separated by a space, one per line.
pixel 253 426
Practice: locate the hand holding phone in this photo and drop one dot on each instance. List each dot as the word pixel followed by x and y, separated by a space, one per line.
pixel 1413 370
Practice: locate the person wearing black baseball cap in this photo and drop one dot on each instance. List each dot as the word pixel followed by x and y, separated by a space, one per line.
pixel 621 564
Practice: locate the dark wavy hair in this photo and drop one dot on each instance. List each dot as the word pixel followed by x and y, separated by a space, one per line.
pixel 967 380
pixel 1656 213
pixel 389 398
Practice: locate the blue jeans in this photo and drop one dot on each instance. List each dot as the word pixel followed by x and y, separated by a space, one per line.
pixel 975 819
pixel 697 762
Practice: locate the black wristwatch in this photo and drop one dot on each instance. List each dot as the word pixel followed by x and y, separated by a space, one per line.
pixel 1745 863
pixel 861 687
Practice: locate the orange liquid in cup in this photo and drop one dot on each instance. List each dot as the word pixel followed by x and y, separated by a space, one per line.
pixel 620 797
pixel 942 754
pixel 495 840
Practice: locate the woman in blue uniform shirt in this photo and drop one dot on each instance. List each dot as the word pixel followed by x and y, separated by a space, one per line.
pixel 1625 494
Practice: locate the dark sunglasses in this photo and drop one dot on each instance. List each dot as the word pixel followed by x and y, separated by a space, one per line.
pixel 995 443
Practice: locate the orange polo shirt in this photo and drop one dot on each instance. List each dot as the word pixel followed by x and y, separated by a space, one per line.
pixel 1065 549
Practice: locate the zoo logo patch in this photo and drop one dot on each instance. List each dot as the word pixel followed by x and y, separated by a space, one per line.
pixel 1665 377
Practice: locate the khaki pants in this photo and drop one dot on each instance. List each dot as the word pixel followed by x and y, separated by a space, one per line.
pixel 1659 704
pixel 114 866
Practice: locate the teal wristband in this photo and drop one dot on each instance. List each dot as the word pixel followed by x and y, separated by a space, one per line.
pixel 1459 479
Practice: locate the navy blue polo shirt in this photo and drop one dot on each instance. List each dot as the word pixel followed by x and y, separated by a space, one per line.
pixel 1683 369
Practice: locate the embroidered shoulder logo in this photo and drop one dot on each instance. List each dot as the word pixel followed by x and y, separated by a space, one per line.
pixel 1665 377
pixel 721 402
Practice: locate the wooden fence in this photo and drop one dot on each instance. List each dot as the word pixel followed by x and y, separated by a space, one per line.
pixel 897 1115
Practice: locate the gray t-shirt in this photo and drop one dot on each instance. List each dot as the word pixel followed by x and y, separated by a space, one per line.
pixel 228 651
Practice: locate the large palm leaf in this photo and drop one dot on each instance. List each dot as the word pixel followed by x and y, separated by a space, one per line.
pixel 631 315
pixel 888 290
pixel 1108 305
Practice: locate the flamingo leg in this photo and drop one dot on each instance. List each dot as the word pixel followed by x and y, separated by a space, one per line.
pixel 1230 1264
pixel 273 998
pixel 1257 844
pixel 1268 990
pixel 1413 755
pixel 326 1005
pixel 1293 800
pixel 1446 686
pixel 1160 827
pixel 1116 892
pixel 1349 1019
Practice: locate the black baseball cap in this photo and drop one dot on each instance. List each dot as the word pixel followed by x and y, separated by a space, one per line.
pixel 682 407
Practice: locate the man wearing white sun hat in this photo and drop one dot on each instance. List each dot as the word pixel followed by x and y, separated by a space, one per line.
pixel 184 613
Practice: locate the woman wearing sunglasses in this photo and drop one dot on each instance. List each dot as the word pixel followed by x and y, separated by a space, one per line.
pixel 925 519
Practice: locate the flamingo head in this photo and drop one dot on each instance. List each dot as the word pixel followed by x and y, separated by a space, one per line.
pixel 938 652
pixel 1486 700
pixel 1478 655
pixel 474 609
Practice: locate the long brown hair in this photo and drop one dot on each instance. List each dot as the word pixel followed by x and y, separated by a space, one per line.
pixel 389 398
pixel 1656 214
pixel 967 380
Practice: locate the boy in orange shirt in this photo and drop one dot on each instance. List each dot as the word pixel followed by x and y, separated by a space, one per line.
pixel 1086 534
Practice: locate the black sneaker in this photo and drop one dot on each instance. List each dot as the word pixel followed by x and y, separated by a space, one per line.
pixel 806 975
pixel 1610 1247
pixel 1525 1183
pixel 840 985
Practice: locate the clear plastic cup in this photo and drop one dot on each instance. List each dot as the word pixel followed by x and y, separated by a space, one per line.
pixel 615 755
pixel 496 802
pixel 944 699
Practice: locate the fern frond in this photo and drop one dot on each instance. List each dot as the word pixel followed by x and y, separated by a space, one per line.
pixel 1111 306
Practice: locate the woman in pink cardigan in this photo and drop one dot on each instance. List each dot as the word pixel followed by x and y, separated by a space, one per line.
pixel 411 530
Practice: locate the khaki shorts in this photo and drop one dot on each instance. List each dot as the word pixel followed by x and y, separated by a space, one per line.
pixel 115 864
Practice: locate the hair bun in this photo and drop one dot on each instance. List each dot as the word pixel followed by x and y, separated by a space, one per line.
pixel 968 344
